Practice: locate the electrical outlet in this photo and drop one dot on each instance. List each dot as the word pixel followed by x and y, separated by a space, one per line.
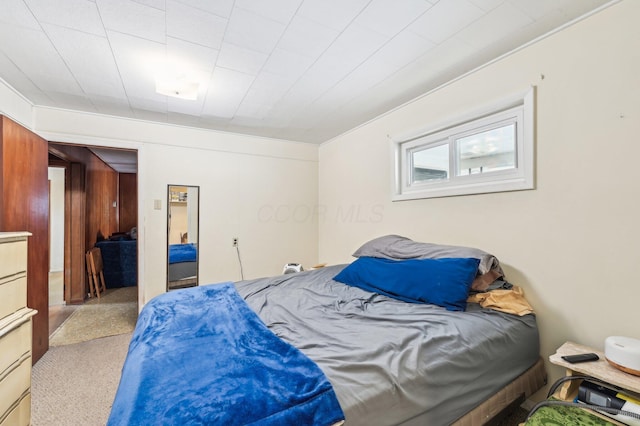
pixel 235 242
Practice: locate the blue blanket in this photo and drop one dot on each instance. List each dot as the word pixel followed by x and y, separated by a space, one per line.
pixel 202 356
pixel 182 253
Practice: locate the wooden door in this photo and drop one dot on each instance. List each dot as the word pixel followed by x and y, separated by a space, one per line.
pixel 25 207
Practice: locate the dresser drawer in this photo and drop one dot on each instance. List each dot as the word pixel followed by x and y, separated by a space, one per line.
pixel 20 414
pixel 14 345
pixel 14 383
pixel 13 257
pixel 13 294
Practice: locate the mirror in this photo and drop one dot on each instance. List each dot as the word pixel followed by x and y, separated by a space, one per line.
pixel 182 236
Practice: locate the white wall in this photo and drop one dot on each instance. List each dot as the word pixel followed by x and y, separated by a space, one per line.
pixel 573 242
pixel 56 219
pixel 261 191
pixel 237 191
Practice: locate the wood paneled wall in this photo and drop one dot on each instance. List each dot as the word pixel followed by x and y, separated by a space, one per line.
pixel 75 239
pixel 101 190
pixel 24 206
pixel 102 198
pixel 128 201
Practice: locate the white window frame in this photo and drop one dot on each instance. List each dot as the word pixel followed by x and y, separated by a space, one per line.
pixel 517 109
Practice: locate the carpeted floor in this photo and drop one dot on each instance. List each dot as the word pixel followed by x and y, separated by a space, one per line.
pixel 75 384
pixel 114 313
pixel 517 417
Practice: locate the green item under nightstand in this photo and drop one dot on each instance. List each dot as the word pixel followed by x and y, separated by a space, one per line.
pixel 559 415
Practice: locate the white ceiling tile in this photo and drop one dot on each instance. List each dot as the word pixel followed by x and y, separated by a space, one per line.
pixel 194 25
pixel 349 50
pixel 128 17
pixel 389 18
pixel 277 10
pixel 355 44
pixel 253 31
pixel 226 91
pixel 320 78
pixel 16 12
pixel 538 9
pixel 482 33
pixel 284 62
pixel 36 97
pixel 444 57
pixel 110 106
pixel 79 15
pixel 158 4
pixel 399 52
pixel 336 14
pixel 306 37
pixel 139 62
pixel 268 88
pixel 191 56
pixel 18 80
pixel 70 101
pixel 445 19
pixel 290 133
pixel 488 5
pixel 191 120
pixel 544 24
pixel 192 61
pixel 185 106
pixel 90 60
pixel 241 59
pixel 297 69
pixel 55 76
pixel 145 104
pixel 221 8
pixel 214 123
pixel 248 126
pixel 149 115
pixel 254 112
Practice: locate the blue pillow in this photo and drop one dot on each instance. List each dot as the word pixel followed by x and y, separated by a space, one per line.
pixel 443 282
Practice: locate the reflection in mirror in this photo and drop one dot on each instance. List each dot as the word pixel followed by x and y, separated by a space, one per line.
pixel 182 236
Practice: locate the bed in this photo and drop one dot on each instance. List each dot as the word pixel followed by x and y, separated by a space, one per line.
pixel 183 265
pixel 375 359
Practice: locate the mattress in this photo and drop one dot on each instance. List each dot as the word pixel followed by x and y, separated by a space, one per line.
pixel 392 362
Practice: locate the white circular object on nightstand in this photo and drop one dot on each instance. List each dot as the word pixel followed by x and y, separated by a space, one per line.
pixel 623 353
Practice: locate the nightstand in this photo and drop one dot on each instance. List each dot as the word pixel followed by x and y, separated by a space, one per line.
pixel 600 369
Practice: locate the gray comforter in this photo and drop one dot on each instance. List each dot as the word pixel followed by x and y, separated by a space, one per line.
pixel 392 362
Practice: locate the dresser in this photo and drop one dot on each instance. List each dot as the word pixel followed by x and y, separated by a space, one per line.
pixel 15 331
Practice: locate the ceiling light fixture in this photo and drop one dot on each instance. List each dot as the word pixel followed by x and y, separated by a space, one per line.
pixel 178 87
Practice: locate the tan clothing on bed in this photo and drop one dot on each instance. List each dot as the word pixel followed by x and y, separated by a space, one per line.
pixel 509 301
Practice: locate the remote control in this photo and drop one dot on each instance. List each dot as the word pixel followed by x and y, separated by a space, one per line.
pixel 573 359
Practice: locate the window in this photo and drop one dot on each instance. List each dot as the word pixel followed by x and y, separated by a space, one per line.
pixel 490 151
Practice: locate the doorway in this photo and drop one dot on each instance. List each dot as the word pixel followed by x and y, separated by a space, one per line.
pixel 59 311
pixel 99 203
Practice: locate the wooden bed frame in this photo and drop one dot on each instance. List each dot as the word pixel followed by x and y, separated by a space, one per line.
pixel 504 400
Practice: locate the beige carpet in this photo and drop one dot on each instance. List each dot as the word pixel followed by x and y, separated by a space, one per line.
pixel 75 384
pixel 114 313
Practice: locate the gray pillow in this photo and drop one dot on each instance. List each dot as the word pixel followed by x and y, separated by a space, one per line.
pixel 396 247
